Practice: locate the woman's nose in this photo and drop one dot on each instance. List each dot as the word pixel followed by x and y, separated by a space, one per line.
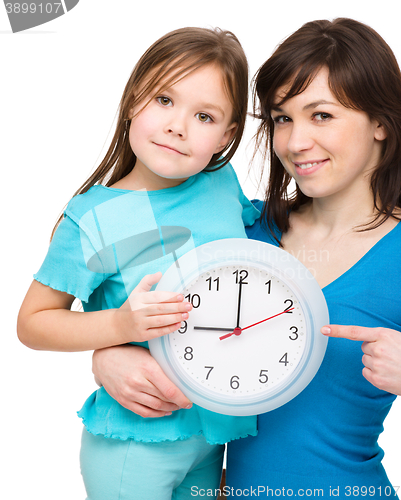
pixel 300 138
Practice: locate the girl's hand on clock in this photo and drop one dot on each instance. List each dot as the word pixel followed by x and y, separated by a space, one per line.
pixel 132 377
pixel 382 353
pixel 146 315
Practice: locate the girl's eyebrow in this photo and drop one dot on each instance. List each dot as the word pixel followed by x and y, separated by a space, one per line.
pixel 212 107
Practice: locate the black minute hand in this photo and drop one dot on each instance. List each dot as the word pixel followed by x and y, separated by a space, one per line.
pixel 239 304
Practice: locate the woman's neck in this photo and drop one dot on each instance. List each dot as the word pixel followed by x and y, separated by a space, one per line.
pixel 339 214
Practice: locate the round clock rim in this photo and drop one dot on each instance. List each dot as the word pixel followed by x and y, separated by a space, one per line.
pixel 237 251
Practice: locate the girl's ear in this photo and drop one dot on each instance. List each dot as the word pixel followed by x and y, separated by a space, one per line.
pixel 228 135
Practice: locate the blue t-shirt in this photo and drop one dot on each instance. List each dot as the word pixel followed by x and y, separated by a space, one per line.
pixel 108 240
pixel 324 442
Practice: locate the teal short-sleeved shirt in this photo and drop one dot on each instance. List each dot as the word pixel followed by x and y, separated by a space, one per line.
pixel 108 240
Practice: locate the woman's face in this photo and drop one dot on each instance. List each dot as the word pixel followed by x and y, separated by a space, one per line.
pixel 327 148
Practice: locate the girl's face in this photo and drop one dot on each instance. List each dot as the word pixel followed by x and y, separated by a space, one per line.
pixel 326 147
pixel 176 134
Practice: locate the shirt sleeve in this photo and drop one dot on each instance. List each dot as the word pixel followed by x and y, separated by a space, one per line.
pixel 250 213
pixel 64 267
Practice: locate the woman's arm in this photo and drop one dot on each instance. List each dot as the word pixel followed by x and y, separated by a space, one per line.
pixel 133 378
pixel 46 322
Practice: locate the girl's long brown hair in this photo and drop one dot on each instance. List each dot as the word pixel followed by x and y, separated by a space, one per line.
pixel 363 75
pixel 170 58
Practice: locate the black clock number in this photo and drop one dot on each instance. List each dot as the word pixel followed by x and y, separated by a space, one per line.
pixel 241 276
pixel 183 328
pixel 289 307
pixel 210 368
pixel 284 359
pixel 188 353
pixel 269 286
pixel 294 330
pixel 263 378
pixel 234 382
pixel 194 299
pixel 217 281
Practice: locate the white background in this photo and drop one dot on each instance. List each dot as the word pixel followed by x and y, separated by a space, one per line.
pixel 60 87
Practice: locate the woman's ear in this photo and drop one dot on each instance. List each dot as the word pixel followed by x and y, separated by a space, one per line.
pixel 228 135
pixel 380 133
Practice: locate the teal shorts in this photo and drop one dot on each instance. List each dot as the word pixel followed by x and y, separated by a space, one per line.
pixel 113 469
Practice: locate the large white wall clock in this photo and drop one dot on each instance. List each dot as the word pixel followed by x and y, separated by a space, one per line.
pixel 252 341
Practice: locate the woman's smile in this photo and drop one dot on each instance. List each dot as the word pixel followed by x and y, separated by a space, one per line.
pixel 309 167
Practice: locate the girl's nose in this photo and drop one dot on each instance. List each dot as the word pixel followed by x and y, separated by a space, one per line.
pixel 177 126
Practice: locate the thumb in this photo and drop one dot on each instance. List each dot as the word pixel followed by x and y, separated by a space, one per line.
pixel 147 282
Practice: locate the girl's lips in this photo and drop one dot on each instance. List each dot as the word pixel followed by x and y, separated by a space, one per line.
pixel 307 168
pixel 169 149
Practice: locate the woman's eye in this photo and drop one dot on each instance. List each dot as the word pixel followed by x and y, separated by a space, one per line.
pixel 281 119
pixel 321 117
pixel 203 117
pixel 164 101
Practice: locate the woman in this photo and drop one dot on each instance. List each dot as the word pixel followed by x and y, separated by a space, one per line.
pixel 330 109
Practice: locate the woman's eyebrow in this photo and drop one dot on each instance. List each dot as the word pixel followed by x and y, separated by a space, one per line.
pixel 311 105
pixel 315 104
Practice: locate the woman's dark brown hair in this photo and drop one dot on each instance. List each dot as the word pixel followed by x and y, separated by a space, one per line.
pixel 168 60
pixel 363 75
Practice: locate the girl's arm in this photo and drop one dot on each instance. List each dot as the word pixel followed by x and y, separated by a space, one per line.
pixel 46 322
pixel 134 378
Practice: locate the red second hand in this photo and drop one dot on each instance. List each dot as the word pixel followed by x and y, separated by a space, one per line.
pixel 238 331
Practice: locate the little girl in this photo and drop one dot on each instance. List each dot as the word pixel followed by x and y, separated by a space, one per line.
pixel 162 189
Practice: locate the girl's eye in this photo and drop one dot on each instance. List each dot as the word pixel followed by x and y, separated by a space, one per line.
pixel 164 101
pixel 203 117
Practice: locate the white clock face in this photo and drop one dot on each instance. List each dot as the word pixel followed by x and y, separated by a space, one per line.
pixel 252 341
pixel 257 359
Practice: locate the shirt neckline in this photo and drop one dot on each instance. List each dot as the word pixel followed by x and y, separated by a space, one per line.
pixel 156 192
pixel 364 257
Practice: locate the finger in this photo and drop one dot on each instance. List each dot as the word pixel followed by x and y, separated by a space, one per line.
pixel 368 348
pixel 157 403
pixel 147 282
pixel 146 411
pixel 368 361
pixel 378 380
pixel 167 309
pixel 168 391
pixel 357 333
pixel 162 297
pixel 152 333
